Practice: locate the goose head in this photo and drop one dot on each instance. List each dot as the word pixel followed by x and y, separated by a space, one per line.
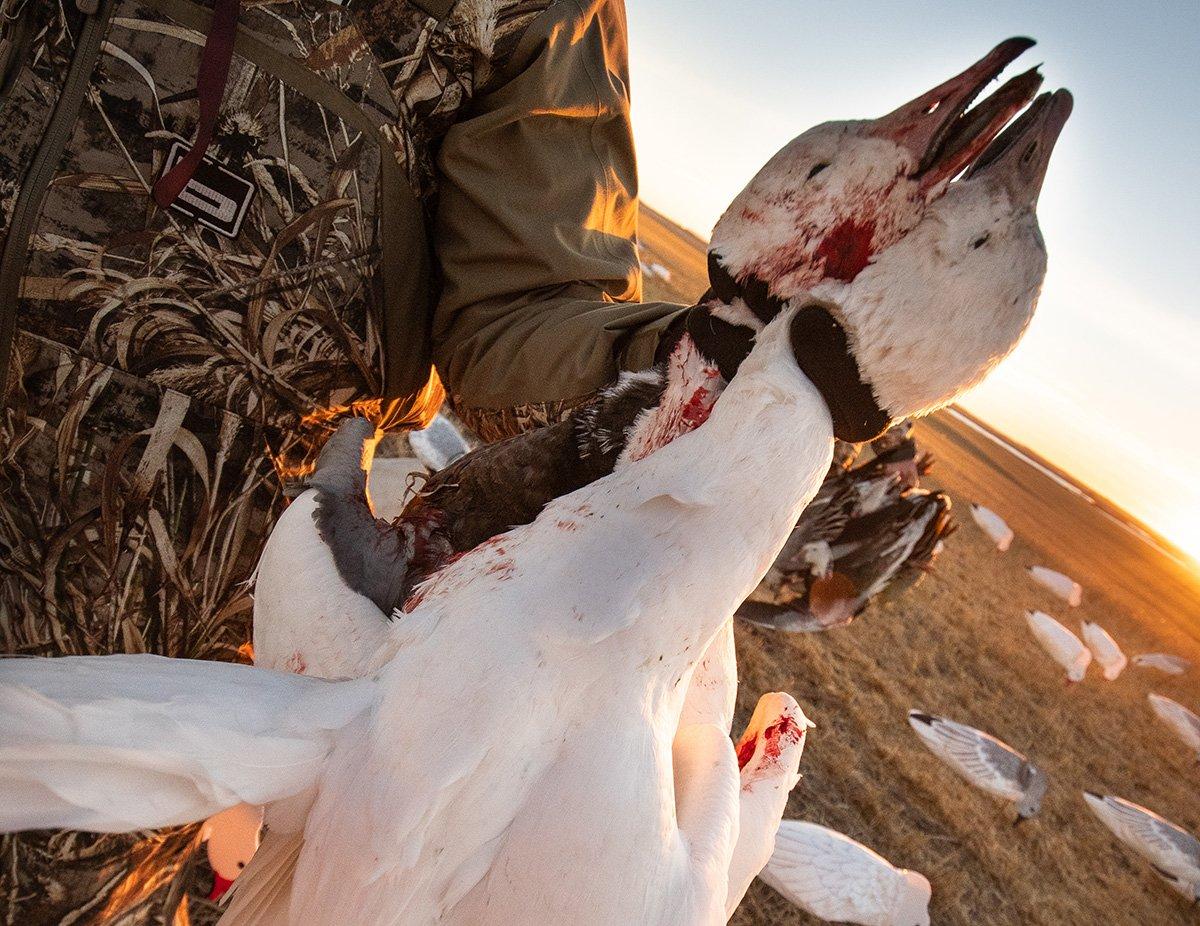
pixel 842 192
pixel 934 313
pixel 1030 803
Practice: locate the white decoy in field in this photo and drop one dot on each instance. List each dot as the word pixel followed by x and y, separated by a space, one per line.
pixel 984 761
pixel 1184 723
pixel 1105 649
pixel 1063 646
pixel 1063 586
pixel 993 525
pixel 1164 662
pixel 1172 851
pixel 529 708
pixel 834 878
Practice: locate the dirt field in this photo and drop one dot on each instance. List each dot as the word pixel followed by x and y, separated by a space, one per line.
pixel 957 645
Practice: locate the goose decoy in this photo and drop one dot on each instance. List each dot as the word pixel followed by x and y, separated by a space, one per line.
pixel 1105 649
pixel 834 878
pixel 984 761
pixel 541 677
pixel 1063 646
pixel 1172 851
pixel 1164 662
pixel 1063 586
pixel 993 525
pixel 1183 722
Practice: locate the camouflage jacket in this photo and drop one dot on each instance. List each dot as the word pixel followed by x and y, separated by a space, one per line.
pixel 166 367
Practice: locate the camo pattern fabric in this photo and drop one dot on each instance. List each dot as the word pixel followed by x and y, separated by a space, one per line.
pixel 497 424
pixel 164 377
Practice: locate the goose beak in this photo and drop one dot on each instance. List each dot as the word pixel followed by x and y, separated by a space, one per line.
pixel 220 886
pixel 939 132
pixel 1018 158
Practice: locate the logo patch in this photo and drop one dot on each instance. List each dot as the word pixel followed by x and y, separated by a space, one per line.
pixel 215 197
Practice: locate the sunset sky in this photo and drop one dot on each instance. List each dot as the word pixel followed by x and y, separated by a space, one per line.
pixel 1106 384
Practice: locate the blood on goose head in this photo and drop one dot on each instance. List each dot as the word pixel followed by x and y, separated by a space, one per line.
pixel 834 197
pixel 936 311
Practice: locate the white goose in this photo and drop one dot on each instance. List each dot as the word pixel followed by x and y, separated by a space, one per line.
pixel 1105 649
pixel 831 876
pixel 1173 852
pixel 1063 646
pixel 993 525
pixel 984 761
pixel 1164 662
pixel 230 839
pixel 1184 723
pixel 876 176
pixel 411 808
pixel 1061 585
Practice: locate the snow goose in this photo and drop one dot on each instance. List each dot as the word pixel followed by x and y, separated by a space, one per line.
pixel 1184 723
pixel 1063 646
pixel 993 525
pixel 1104 649
pixel 230 839
pixel 875 178
pixel 1164 662
pixel 1061 585
pixel 1173 852
pixel 834 878
pixel 581 652
pixel 984 761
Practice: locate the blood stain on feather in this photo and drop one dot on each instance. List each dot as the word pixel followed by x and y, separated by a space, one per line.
pixel 846 249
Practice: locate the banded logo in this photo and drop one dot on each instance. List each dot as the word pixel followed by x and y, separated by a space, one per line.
pixel 215 197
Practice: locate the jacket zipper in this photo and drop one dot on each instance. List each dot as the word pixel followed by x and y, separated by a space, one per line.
pixel 45 163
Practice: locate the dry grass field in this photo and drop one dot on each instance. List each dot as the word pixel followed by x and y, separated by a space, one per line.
pixel 957 645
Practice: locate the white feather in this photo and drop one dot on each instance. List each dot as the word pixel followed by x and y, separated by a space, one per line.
pixel 835 878
pixel 122 743
pixel 1184 723
pixel 1170 848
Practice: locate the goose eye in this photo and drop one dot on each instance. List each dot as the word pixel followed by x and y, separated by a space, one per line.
pixel 932 107
pixel 980 241
pixel 817 168
pixel 1029 153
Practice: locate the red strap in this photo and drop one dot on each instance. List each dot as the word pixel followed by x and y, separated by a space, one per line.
pixel 210 88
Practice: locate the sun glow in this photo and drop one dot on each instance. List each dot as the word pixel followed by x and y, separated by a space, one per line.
pixel 1184 532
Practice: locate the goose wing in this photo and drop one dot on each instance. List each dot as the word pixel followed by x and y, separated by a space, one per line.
pixel 1158 840
pixel 979 757
pixel 1184 722
pixel 1104 648
pixel 1164 662
pixel 330 571
pixel 1065 648
pixel 122 743
pixel 830 875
